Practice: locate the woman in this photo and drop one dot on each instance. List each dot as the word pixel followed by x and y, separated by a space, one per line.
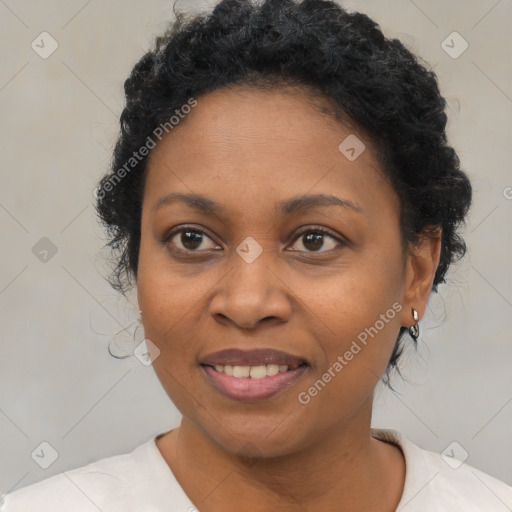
pixel 284 199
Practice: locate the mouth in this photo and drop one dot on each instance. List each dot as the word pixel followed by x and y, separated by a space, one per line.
pixel 252 375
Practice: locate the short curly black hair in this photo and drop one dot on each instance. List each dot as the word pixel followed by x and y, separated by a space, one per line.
pixel 373 82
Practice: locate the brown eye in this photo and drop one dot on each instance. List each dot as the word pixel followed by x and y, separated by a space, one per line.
pixel 190 240
pixel 314 240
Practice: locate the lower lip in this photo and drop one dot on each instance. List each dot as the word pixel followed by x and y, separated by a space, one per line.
pixel 248 389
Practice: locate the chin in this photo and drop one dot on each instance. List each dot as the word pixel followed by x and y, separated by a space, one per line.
pixel 257 438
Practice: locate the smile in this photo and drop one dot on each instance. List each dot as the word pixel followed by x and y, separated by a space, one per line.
pixel 250 383
pixel 253 372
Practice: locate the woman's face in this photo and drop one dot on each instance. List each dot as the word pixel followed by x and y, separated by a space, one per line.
pixel 256 274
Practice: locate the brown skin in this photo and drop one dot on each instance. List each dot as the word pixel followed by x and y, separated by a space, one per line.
pixel 248 150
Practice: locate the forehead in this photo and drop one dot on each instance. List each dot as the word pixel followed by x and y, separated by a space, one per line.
pixel 252 147
pixel 264 122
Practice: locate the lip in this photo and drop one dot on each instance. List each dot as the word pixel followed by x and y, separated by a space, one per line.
pixel 254 357
pixel 248 389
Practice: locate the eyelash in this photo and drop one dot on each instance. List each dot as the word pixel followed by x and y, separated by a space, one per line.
pixel 310 229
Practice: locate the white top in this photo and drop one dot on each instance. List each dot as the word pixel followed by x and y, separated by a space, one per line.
pixel 141 481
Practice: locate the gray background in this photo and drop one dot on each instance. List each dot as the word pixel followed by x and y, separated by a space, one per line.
pixel 59 121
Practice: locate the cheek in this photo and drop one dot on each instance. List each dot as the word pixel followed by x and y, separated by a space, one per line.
pixel 167 303
pixel 165 299
pixel 356 310
pixel 164 288
pixel 356 323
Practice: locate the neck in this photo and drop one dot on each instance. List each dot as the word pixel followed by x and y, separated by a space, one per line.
pixel 348 470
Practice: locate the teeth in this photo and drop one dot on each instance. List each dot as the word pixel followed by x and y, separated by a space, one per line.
pixel 241 371
pixel 273 369
pixel 258 372
pixel 254 372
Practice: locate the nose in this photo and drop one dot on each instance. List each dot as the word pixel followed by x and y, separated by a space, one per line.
pixel 252 293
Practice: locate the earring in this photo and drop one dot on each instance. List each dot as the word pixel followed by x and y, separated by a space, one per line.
pixel 122 344
pixel 414 330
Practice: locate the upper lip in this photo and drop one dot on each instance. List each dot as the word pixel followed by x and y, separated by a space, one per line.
pixel 254 357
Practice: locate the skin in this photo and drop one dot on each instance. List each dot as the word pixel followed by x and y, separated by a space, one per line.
pixel 249 149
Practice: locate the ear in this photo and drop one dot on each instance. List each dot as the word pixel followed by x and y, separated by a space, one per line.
pixel 420 269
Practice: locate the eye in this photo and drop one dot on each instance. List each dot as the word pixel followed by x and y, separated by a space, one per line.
pixel 314 239
pixel 191 239
pixel 194 240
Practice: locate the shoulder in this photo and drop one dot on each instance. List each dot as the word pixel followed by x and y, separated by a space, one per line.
pixel 441 483
pixel 139 480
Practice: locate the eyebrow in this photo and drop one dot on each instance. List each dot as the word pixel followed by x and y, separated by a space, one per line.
pixel 294 205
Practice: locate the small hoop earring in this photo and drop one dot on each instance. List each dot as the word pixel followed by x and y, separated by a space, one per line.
pixel 122 344
pixel 414 330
